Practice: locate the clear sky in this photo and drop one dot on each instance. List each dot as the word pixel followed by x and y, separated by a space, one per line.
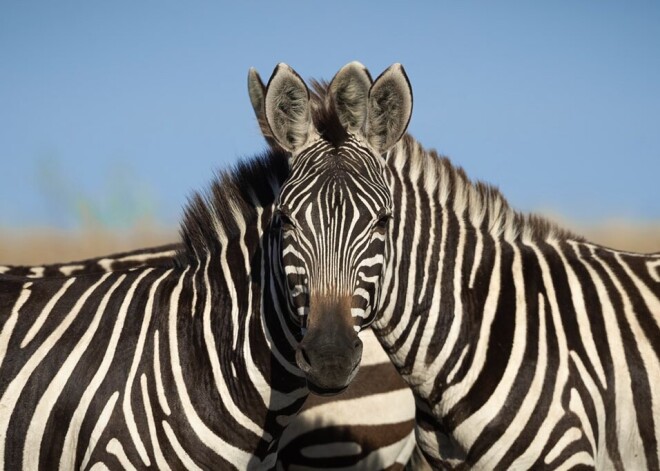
pixel 117 111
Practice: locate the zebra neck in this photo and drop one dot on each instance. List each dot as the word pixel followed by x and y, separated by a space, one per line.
pixel 237 364
pixel 445 252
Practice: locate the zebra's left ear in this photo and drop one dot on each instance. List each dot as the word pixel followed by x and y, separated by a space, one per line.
pixel 288 109
pixel 349 90
pixel 257 92
pixel 389 108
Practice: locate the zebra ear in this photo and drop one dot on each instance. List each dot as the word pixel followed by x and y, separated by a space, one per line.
pixel 350 90
pixel 389 108
pixel 257 92
pixel 287 108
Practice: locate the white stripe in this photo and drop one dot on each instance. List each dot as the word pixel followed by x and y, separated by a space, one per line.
pixel 575 404
pixel 8 328
pixel 362 413
pixel 114 448
pixel 584 325
pixel 358 312
pixel 13 392
pixel 654 269
pixel 67 270
pixel 556 410
pixel 581 457
pixel 603 459
pixel 571 435
pixel 524 413
pixel 160 390
pixel 36 272
pixel 653 305
pixel 185 458
pixel 127 407
pixel 450 343
pixel 294 270
pixel 98 429
pixel 158 454
pixel 43 315
pixel 232 454
pixel 212 349
pixel 35 432
pixel 478 250
pixel 68 457
pixel 468 431
pixel 454 393
pixel 98 466
pixel 633 450
pixel 457 366
pixel 625 420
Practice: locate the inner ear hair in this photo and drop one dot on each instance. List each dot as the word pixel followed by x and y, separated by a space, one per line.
pixel 287 108
pixel 349 90
pixel 389 108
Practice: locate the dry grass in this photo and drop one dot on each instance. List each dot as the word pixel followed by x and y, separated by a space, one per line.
pixel 42 246
pixel 644 238
pixel 39 246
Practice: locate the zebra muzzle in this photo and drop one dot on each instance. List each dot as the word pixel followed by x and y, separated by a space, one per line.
pixel 329 367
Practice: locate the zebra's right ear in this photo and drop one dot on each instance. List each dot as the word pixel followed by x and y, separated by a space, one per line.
pixel 350 90
pixel 389 108
pixel 287 109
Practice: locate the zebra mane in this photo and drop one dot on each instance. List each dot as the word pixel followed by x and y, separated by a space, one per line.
pixel 213 217
pixel 482 204
pixel 324 115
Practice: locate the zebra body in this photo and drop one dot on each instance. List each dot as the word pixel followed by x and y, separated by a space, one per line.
pixel 161 256
pixel 327 433
pixel 191 366
pixel 525 346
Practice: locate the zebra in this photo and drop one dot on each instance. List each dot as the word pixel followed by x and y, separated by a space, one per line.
pixel 160 256
pixel 525 345
pixel 222 349
pixel 327 433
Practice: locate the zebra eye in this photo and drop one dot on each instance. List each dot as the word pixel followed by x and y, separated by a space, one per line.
pixel 285 221
pixel 382 221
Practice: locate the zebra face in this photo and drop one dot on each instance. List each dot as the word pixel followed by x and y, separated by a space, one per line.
pixel 333 214
pixel 333 210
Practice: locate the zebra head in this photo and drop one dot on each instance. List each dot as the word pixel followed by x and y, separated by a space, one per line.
pixel 334 208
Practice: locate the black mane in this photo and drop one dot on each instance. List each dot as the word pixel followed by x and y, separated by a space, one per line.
pixel 324 114
pixel 236 192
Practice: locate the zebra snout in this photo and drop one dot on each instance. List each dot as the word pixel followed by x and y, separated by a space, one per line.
pixel 329 367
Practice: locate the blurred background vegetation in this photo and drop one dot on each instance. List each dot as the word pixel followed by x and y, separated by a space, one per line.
pixel 122 216
pixel 111 113
pixel 119 216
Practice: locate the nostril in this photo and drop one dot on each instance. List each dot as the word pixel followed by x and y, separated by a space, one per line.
pixel 303 360
pixel 306 358
pixel 357 343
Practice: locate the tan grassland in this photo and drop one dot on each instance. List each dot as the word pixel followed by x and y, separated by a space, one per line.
pixel 40 246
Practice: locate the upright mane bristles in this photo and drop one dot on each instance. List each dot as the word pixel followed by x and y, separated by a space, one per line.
pixel 211 218
pixel 482 203
pixel 324 114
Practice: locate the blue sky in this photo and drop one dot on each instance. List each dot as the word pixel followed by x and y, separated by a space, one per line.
pixel 117 111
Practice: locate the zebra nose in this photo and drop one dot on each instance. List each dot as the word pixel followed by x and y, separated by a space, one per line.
pixel 303 360
pixel 329 366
